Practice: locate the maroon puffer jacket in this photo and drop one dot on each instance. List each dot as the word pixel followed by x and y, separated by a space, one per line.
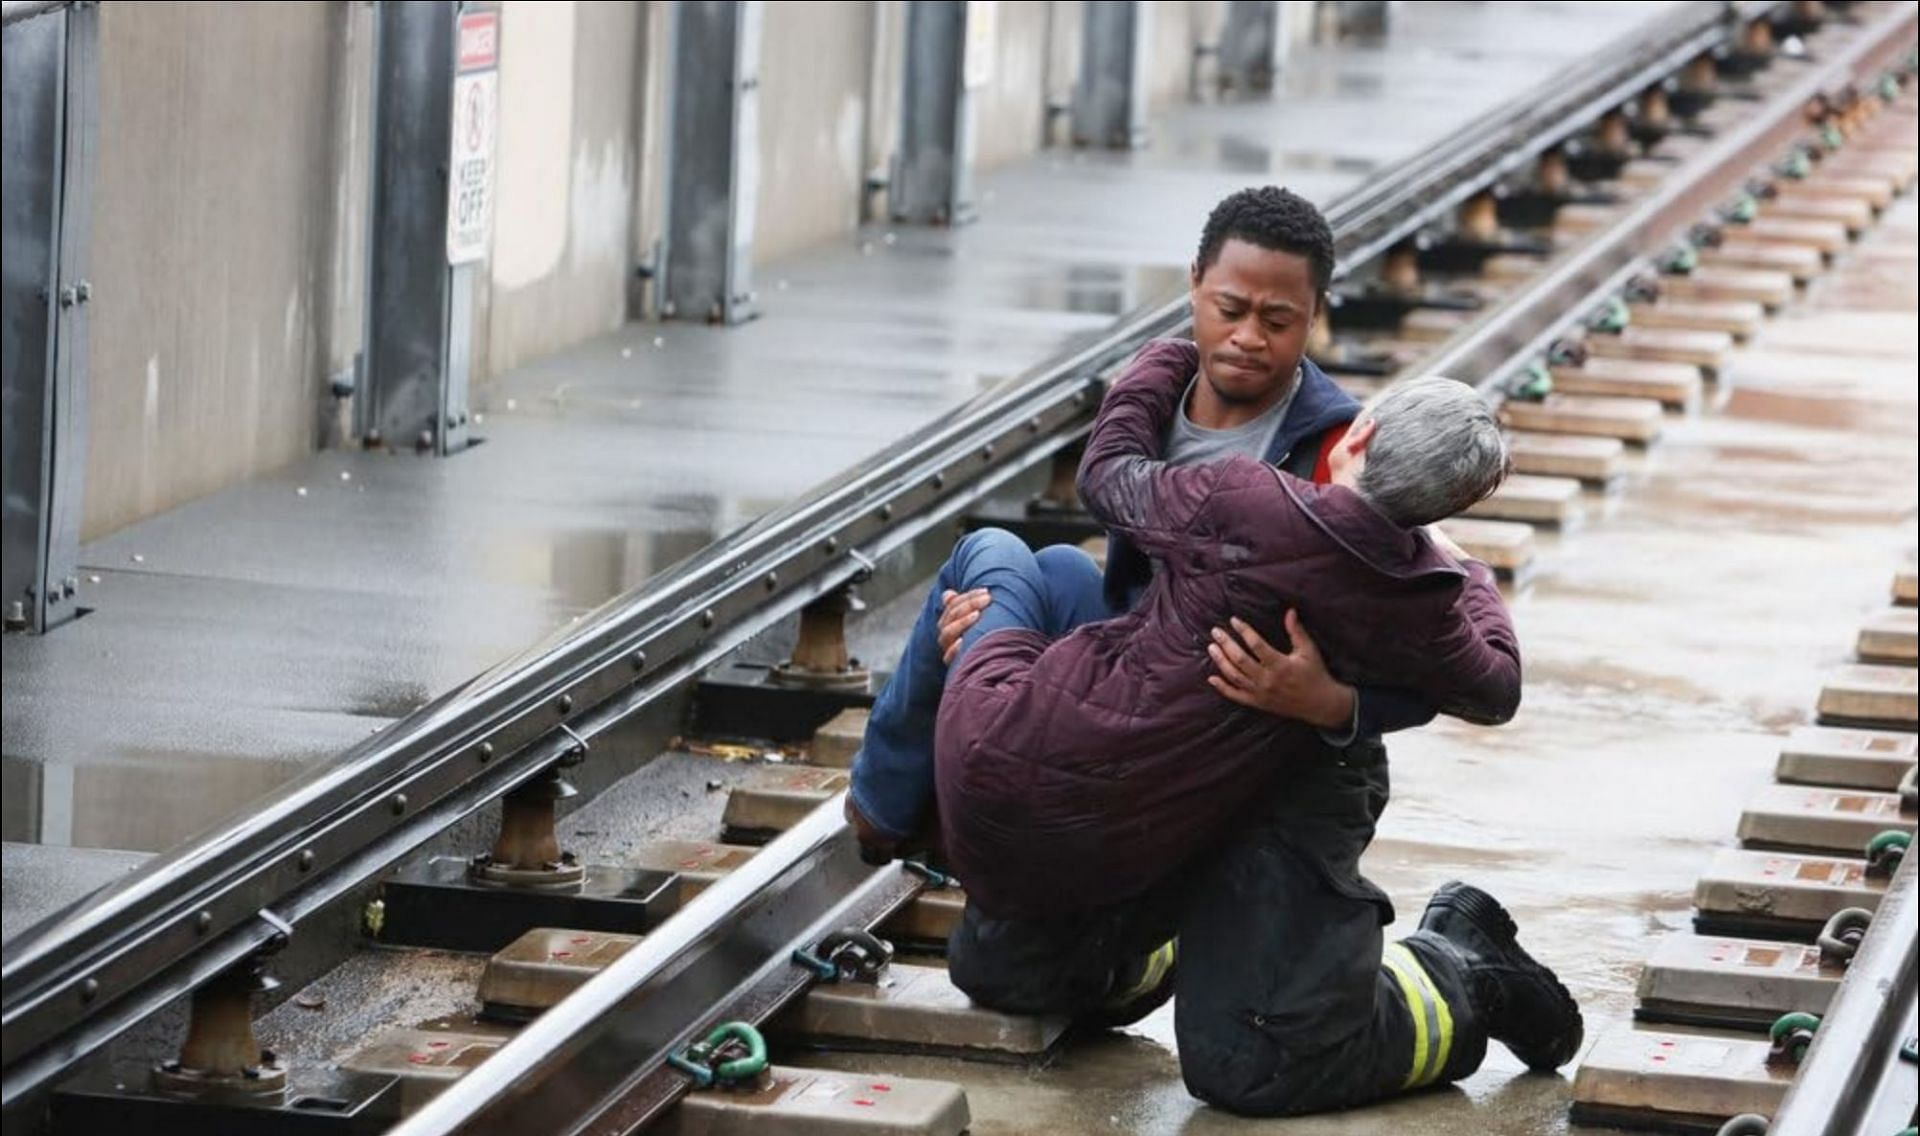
pixel 1078 772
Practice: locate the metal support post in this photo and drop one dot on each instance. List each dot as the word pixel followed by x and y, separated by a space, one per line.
pixel 1251 46
pixel 714 181
pixel 435 114
pixel 950 46
pixel 51 127
pixel 1110 103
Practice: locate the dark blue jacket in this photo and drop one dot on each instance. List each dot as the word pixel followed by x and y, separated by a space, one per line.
pixel 1318 407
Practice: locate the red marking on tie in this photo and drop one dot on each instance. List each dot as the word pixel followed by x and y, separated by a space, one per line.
pixel 562 954
pixel 881 1088
pixel 419 1058
pixel 864 1103
pixel 438 1044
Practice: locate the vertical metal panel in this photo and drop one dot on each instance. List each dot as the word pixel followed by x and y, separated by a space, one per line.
pixel 50 126
pixel 71 346
pixel 420 309
pixel 1251 46
pixel 1110 103
pixel 933 175
pixel 714 183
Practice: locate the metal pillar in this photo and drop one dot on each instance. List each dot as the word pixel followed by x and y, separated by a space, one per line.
pixel 715 159
pixel 950 45
pixel 435 104
pixel 51 123
pixel 1110 103
pixel 1252 44
pixel 1362 18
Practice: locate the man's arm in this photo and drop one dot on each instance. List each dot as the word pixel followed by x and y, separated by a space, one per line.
pixel 1474 666
pixel 1123 481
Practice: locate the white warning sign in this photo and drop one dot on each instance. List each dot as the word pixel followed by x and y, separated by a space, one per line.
pixel 983 19
pixel 476 94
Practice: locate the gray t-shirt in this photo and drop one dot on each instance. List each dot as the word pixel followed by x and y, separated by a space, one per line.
pixel 1188 444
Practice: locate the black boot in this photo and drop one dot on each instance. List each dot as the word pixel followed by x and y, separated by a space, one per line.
pixel 1521 1002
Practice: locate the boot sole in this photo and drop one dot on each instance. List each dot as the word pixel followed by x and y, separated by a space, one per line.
pixel 1493 920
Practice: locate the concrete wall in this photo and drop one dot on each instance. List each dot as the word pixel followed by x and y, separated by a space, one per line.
pixel 813 86
pixel 230 212
pixel 570 85
pixel 220 299
pixel 1012 110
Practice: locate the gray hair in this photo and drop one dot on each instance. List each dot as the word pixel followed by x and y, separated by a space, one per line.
pixel 1436 449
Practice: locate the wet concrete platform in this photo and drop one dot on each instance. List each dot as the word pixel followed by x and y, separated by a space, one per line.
pixel 40 880
pixel 242 637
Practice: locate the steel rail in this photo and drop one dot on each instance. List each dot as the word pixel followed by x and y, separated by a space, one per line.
pixel 1556 303
pixel 1853 1081
pixel 70 984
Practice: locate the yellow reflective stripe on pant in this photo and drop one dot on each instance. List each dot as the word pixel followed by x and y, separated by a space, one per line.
pixel 1432 1021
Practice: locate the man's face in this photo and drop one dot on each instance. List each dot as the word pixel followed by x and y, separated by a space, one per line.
pixel 1252 309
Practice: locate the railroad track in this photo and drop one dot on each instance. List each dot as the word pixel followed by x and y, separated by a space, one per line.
pixel 1491 255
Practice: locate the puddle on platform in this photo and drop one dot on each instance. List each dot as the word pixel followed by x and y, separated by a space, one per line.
pixel 147 804
pixel 1101 289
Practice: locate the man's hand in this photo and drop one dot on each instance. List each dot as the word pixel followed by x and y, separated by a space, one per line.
pixel 960 611
pixel 876 847
pixel 1285 684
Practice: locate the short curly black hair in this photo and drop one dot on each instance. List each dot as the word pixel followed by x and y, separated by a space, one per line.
pixel 1272 218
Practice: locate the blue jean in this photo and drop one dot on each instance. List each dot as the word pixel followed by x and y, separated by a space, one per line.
pixel 1051 591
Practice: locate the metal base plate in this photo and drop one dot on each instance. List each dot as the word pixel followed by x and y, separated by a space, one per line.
pixel 1539 209
pixel 318 1102
pixel 742 701
pixel 1038 527
pixel 435 905
pixel 805 1102
pixel 1460 255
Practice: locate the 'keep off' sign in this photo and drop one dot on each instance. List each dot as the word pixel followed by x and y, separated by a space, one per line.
pixel 476 96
